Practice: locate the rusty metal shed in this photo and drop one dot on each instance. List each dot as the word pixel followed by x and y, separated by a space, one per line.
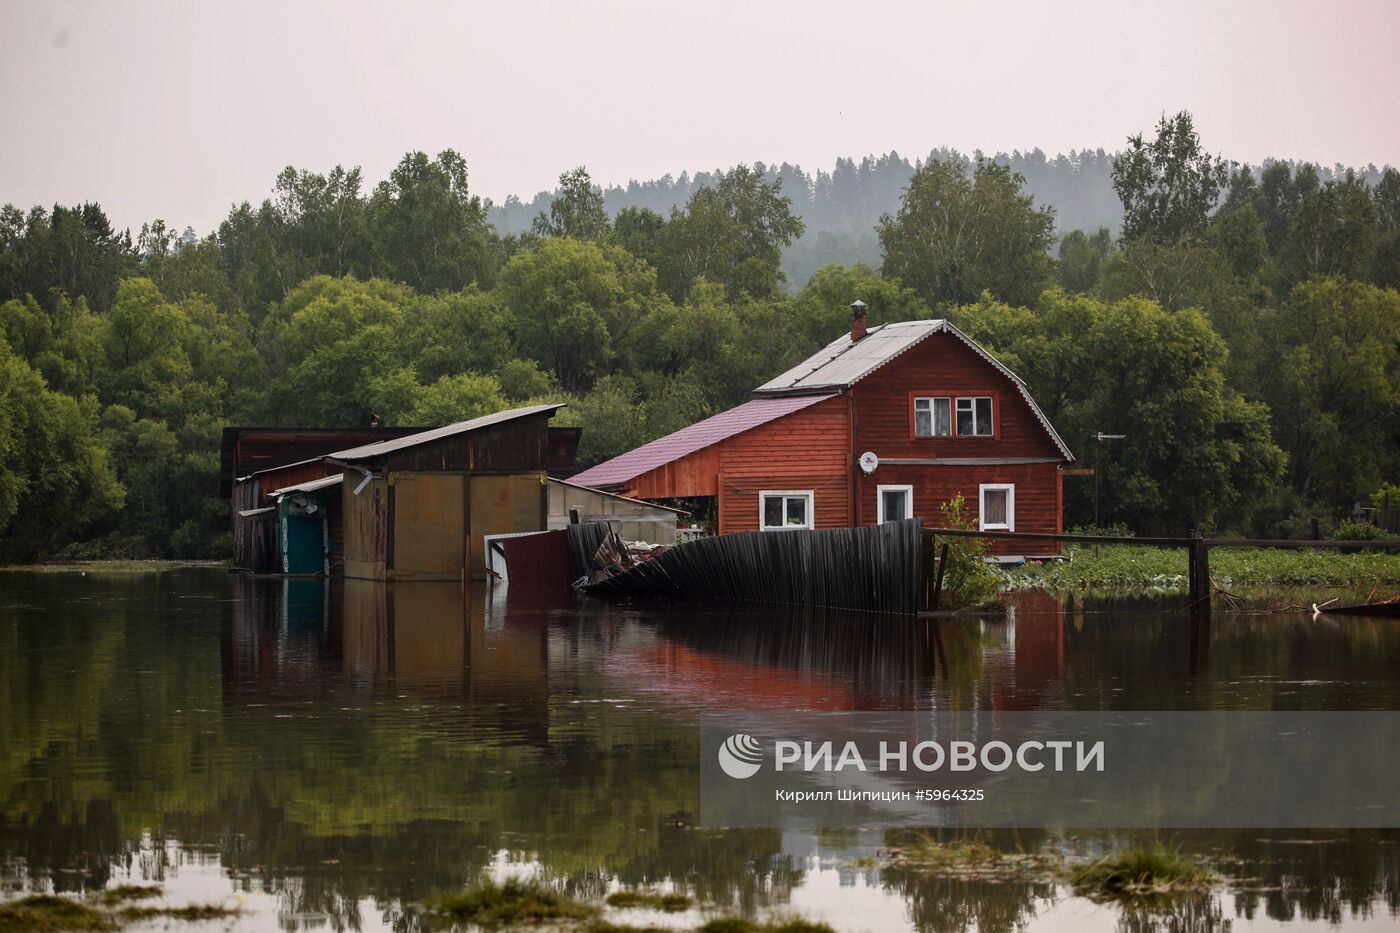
pixel 418 507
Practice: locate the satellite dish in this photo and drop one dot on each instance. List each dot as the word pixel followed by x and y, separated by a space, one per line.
pixel 868 461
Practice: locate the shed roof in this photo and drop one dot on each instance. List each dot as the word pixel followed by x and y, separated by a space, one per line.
pixel 688 440
pixel 371 451
pixel 310 486
pixel 844 362
pixel 613 495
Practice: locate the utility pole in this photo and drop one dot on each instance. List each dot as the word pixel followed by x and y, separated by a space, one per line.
pixel 1099 438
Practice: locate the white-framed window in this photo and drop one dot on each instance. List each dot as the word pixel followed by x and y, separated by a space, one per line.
pixel 894 503
pixel 784 510
pixel 974 416
pixel 996 507
pixel 933 416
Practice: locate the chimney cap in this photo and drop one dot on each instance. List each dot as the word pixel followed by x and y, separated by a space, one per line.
pixel 858 307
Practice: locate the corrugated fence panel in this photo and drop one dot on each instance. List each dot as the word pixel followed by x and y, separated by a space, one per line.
pixel 871 569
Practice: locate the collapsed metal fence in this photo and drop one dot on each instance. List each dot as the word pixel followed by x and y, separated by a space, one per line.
pixel 871 569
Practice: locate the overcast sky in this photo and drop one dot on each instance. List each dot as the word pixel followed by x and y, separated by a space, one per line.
pixel 176 110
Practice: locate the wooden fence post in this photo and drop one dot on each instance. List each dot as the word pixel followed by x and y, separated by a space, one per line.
pixel 1199 574
pixel 938 583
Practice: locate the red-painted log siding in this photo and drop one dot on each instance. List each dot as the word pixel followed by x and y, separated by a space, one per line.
pixel 943 365
pixel 1037 496
pixel 692 475
pixel 808 449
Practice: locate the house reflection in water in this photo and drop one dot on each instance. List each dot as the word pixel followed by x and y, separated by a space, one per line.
pixel 415 642
pixel 503 656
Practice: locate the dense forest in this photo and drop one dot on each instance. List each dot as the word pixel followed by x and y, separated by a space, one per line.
pixel 1240 325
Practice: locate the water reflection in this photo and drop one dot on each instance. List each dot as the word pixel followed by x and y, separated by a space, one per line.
pixel 339 750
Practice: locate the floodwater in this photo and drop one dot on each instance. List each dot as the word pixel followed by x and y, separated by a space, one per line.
pixel 326 755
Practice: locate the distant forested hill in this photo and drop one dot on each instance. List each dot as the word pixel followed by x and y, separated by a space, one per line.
pixel 841 207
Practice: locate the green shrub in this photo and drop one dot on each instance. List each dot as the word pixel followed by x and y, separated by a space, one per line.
pixel 968 580
pixel 1359 531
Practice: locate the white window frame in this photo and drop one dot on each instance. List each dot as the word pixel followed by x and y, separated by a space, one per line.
pixel 991 405
pixel 788 494
pixel 933 415
pixel 880 516
pixel 1010 490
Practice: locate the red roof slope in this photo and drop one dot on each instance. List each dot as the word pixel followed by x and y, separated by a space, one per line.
pixel 698 436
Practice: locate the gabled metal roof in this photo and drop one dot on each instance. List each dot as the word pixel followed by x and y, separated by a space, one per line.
pixel 698 436
pixel 842 363
pixel 371 451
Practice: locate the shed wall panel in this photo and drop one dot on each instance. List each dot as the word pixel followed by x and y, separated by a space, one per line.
pixel 502 504
pixel 429 539
pixel 366 526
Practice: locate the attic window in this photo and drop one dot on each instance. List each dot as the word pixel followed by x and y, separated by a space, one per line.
pixel 932 417
pixel 975 416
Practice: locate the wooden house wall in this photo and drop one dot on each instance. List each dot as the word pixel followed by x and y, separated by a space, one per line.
pixel 1037 496
pixel 693 475
pixel 808 449
pixel 943 365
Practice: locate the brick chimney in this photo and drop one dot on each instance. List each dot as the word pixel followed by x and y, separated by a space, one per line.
pixel 857 320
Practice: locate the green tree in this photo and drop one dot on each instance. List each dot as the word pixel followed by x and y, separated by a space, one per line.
pixel 326 344
pixel 1195 450
pixel 1081 257
pixel 1386 264
pixel 575 305
pixel 1333 232
pixel 640 231
pixel 821 311
pixel 455 332
pixel 429 230
pixel 577 209
pixel 55 477
pixel 733 233
pixel 1332 378
pixel 1169 185
pixel 955 237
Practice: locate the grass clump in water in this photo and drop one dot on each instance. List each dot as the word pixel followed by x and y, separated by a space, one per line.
pixel 1140 871
pixel 189 913
pixel 969 858
pixel 41 913
pixel 776 925
pixel 670 903
pixel 489 904
pixel 128 892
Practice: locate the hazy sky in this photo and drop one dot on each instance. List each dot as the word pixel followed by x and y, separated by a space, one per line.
pixel 176 110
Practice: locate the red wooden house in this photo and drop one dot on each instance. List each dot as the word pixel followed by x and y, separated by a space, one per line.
pixel 941 416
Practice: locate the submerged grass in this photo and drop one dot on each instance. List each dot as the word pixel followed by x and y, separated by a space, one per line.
pixel 970 858
pixel 109 566
pixel 189 913
pixel 1138 872
pixel 1121 566
pixel 670 903
pixel 128 892
pixel 42 913
pixel 774 925
pixel 489 904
